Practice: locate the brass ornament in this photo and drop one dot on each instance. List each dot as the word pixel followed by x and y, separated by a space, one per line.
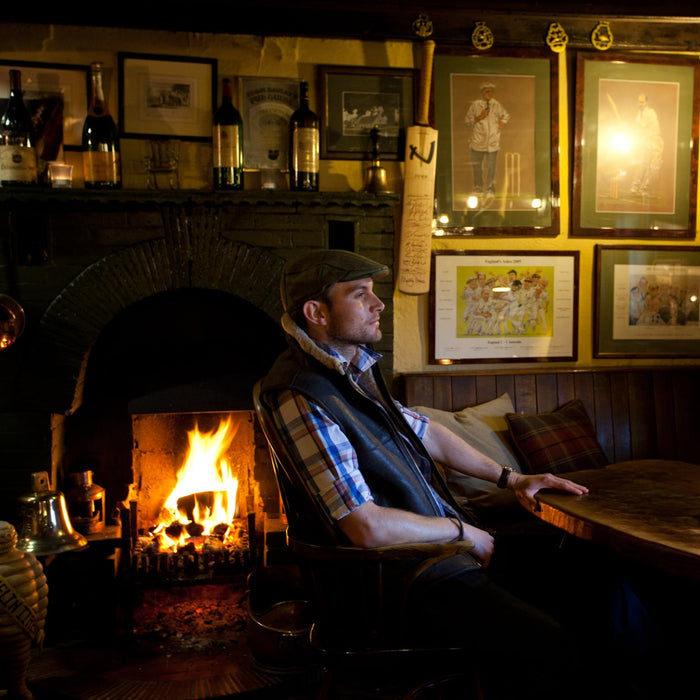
pixel 557 38
pixel 422 26
pixel 482 37
pixel 602 36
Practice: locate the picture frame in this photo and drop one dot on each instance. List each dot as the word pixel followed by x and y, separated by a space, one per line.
pixel 529 316
pixel 522 129
pixel 166 96
pixel 57 89
pixel 635 313
pixel 635 170
pixel 354 100
pixel 266 106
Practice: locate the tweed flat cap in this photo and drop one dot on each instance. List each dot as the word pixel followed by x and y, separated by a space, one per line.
pixel 309 275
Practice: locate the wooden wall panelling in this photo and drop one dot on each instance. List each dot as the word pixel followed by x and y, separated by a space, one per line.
pixel 642 414
pixel 602 417
pixel 620 417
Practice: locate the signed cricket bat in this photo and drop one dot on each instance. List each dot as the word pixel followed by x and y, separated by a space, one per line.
pixel 418 190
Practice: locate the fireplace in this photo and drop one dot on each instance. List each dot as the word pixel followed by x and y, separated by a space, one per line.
pixel 197 510
pixel 160 366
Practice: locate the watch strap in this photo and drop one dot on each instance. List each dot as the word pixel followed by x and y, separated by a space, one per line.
pixel 503 479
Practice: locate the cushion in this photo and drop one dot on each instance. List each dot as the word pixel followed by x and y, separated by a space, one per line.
pixel 493 413
pixel 485 428
pixel 560 441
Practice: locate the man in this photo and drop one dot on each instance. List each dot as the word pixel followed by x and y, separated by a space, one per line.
pixel 369 463
pixel 649 147
pixel 486 118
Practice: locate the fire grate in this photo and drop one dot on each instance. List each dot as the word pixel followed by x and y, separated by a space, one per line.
pixel 201 559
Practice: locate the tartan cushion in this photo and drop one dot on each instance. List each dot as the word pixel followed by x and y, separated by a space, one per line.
pixel 560 441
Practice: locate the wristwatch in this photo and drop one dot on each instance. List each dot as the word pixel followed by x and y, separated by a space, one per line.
pixel 503 479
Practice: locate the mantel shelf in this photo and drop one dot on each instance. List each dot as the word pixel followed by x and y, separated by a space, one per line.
pixel 72 198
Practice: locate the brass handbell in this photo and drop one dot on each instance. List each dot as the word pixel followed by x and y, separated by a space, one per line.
pixel 375 178
pixel 46 527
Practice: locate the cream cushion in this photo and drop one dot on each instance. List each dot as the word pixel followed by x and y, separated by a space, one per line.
pixel 485 428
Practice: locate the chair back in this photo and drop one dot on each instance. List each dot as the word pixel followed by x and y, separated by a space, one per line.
pixel 306 519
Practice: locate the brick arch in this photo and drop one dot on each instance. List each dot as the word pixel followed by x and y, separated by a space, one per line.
pixel 191 255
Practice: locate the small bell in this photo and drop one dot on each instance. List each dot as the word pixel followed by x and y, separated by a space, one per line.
pixel 46 528
pixel 375 178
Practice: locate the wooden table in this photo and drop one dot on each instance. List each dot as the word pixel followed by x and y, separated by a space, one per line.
pixel 648 510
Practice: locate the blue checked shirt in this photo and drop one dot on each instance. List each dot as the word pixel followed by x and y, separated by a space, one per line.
pixel 332 472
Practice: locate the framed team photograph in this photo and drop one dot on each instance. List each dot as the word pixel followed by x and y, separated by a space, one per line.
pixel 647 301
pixel 512 306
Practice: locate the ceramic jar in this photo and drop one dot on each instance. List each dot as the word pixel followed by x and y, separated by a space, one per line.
pixel 23 596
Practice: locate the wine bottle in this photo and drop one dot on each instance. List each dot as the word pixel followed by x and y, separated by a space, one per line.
pixel 227 143
pixel 101 157
pixel 304 143
pixel 18 163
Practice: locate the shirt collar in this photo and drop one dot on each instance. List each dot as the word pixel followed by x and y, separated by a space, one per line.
pixel 364 358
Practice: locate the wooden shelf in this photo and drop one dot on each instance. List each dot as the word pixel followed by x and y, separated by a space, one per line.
pixel 285 198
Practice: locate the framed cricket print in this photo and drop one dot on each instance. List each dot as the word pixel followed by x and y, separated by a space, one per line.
pixel 511 306
pixel 498 151
pixel 636 146
pixel 166 96
pixel 647 301
pixel 354 100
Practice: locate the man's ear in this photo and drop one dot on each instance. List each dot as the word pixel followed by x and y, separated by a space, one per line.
pixel 315 312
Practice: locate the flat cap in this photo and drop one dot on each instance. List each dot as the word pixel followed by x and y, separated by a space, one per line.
pixel 309 275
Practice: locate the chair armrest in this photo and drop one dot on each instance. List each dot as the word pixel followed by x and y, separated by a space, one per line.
pixel 413 550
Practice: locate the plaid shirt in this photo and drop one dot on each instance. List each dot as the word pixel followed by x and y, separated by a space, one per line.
pixel 332 471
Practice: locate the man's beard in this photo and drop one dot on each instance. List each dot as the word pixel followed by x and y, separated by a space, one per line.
pixel 349 335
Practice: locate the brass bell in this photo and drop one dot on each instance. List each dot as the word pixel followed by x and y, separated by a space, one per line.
pixel 11 321
pixel 375 178
pixel 45 527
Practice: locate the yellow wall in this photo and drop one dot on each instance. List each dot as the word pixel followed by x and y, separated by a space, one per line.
pixel 297 58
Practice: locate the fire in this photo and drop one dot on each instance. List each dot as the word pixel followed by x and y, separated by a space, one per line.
pixel 203 502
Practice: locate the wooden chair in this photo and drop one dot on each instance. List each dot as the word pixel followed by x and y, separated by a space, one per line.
pixel 362 630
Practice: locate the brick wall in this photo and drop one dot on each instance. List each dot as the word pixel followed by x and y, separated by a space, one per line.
pixel 77 260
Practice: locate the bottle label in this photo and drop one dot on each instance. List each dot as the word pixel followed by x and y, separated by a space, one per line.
pixel 18 164
pixel 226 146
pixel 305 148
pixel 101 166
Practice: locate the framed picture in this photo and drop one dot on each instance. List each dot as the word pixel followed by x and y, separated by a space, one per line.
pixel 166 96
pixel 492 306
pixel 355 100
pixel 647 300
pixel 266 106
pixel 56 97
pixel 498 143
pixel 636 146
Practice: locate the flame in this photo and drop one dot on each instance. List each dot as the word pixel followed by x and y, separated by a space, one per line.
pixel 204 496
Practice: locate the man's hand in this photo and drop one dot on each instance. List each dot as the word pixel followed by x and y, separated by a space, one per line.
pixel 483 543
pixel 526 487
